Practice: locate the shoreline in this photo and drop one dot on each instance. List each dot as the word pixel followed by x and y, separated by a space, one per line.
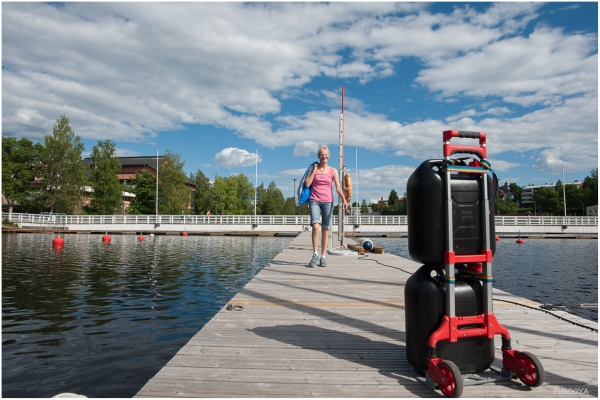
pixel 10 229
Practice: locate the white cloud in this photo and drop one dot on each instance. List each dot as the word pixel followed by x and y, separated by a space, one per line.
pixel 543 68
pixel 233 157
pixel 304 148
pixel 128 71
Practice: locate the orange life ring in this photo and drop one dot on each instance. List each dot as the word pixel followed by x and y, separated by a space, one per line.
pixel 347 186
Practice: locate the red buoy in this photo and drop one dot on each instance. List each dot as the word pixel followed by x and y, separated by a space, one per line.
pixel 497 238
pixel 58 242
pixel 106 238
pixel 141 237
pixel 519 240
pixel 184 233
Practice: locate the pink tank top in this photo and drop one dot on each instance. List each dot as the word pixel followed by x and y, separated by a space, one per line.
pixel 321 190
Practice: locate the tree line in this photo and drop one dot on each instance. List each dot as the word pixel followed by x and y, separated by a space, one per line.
pixel 50 177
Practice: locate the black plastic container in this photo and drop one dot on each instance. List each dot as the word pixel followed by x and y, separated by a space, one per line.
pixel 425 307
pixel 427 214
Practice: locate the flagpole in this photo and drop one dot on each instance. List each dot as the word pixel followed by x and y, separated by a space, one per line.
pixel 563 181
pixel 156 207
pixel 341 176
pixel 255 185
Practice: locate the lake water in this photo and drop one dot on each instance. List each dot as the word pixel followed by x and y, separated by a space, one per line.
pixel 549 271
pixel 101 319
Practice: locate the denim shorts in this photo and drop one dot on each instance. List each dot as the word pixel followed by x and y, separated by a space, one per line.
pixel 320 209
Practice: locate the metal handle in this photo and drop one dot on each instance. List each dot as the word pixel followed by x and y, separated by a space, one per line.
pixel 480 150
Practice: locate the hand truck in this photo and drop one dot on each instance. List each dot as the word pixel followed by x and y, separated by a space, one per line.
pixel 444 374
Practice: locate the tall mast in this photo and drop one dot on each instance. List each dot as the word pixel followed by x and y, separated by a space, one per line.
pixel 341 177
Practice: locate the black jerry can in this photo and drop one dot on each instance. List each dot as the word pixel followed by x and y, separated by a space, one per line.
pixel 427 214
pixel 425 307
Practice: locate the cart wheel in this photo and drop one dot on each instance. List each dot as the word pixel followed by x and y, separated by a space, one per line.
pixel 453 383
pixel 537 376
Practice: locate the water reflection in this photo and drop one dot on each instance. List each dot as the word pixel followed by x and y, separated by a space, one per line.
pixel 101 319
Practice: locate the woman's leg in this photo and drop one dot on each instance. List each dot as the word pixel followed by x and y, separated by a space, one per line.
pixel 315 222
pixel 315 236
pixel 324 239
pixel 326 211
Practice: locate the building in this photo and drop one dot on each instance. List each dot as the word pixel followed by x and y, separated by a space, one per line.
pixel 505 193
pixel 132 165
pixel 383 203
pixel 527 192
pixel 592 211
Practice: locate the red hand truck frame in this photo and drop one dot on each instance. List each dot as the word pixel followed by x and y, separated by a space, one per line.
pixel 444 374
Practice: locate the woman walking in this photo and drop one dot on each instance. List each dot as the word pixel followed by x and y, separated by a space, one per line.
pixel 320 202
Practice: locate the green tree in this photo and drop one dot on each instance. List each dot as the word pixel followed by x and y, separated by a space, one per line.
pixel 507 206
pixel 144 188
pixel 516 191
pixel 174 197
pixel 61 170
pixel 303 210
pixel 374 207
pixel 203 188
pixel 590 189
pixel 547 200
pixel 244 194
pixel 107 197
pixel 288 207
pixel 392 198
pixel 20 160
pixel 574 197
pixel 271 201
pixel 364 209
pixel 232 195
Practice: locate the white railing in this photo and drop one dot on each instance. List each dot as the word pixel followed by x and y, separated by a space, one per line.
pixel 545 221
pixel 372 220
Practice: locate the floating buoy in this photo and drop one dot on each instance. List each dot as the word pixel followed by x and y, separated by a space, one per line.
pixel 106 238
pixel 58 242
pixel 152 235
pixel 366 244
pixel 497 238
pixel 519 240
pixel 141 237
pixel 184 233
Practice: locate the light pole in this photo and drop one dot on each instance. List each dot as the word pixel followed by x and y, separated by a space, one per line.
pixel 294 196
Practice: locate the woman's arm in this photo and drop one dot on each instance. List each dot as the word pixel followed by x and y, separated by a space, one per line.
pixel 311 175
pixel 338 188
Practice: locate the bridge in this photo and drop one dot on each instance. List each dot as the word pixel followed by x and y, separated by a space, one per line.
pixel 364 224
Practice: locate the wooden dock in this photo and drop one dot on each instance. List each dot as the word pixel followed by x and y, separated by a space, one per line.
pixel 339 331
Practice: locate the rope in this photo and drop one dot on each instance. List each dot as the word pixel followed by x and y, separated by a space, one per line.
pixel 548 312
pixel 385 265
pixel 585 305
pixel 231 307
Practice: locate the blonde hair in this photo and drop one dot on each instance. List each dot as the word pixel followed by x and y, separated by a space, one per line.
pixel 323 147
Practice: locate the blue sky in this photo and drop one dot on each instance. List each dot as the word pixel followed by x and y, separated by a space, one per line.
pixel 216 82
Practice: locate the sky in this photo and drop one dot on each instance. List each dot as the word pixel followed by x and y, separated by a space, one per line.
pixel 256 88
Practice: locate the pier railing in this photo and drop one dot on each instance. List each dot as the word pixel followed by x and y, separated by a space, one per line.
pixel 49 221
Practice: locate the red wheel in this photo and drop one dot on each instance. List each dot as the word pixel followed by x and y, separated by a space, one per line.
pixel 452 384
pixel 533 374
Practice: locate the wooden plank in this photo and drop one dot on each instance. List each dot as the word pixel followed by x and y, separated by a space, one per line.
pixel 339 331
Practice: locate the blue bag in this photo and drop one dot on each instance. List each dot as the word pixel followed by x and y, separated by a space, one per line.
pixel 303 191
